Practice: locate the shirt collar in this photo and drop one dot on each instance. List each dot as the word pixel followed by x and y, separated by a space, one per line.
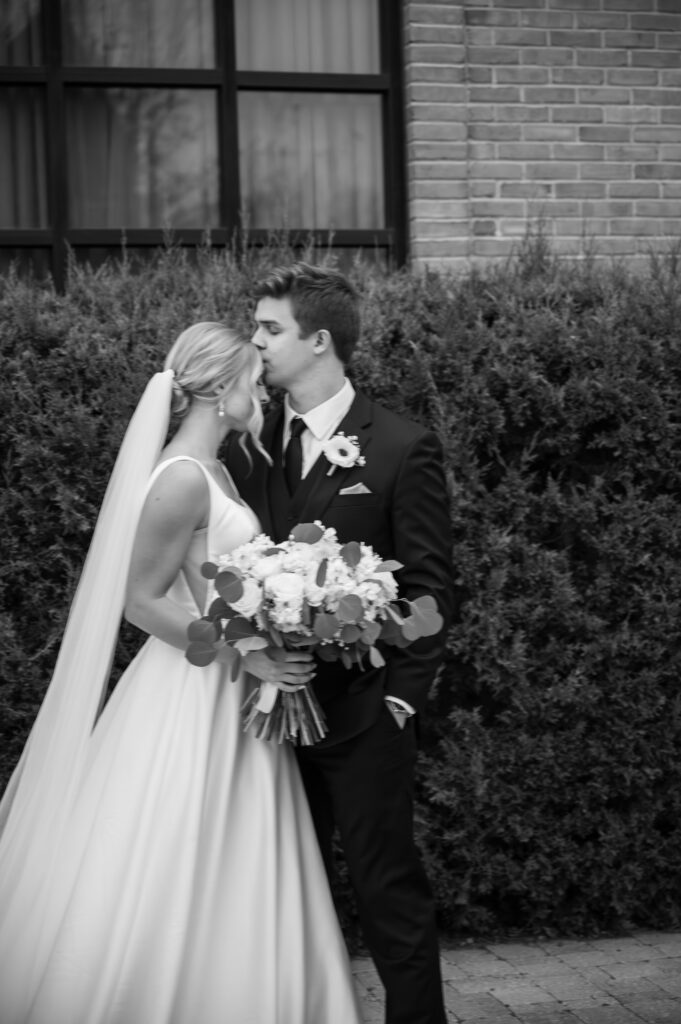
pixel 324 418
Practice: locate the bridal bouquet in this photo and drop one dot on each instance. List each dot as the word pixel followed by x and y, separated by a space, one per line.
pixel 336 600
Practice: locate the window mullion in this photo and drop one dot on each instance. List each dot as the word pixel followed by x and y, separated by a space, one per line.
pixel 311 81
pixel 146 77
pixel 55 143
pixel 228 140
pixel 392 49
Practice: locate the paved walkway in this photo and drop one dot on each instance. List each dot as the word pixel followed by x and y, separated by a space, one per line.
pixel 633 980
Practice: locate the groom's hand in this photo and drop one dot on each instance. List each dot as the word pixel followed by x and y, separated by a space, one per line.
pixel 288 670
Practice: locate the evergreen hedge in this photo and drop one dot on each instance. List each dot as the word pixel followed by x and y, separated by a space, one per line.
pixel 549 790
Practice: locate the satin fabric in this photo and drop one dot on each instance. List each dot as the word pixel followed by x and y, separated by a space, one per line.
pixel 188 885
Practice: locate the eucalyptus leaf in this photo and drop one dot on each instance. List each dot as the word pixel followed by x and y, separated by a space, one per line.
pixel 390 631
pixel 371 633
pixel 229 586
pixel 321 572
pixel 410 630
pixel 326 625
pixel 219 609
pixel 200 653
pixel 203 630
pixel 376 658
pixel 231 655
pixel 307 533
pixel 239 627
pixel 350 608
pixel 350 633
pixel 428 621
pixel 351 553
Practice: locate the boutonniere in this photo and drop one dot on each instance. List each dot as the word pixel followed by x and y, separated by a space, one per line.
pixel 343 451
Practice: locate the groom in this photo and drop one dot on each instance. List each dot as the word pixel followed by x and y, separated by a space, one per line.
pixel 360 777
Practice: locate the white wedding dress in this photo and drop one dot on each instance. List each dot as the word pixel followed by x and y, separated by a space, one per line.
pixel 189 887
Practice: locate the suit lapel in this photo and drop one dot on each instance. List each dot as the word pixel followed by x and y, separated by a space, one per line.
pixel 318 488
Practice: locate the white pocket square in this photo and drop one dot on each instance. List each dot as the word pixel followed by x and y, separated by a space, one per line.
pixel 355 489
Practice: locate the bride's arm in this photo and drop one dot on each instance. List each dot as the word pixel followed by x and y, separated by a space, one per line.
pixel 176 506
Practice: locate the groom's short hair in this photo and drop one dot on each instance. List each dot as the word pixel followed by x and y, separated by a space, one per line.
pixel 321 299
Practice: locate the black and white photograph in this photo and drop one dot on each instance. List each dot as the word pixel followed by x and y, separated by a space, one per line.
pixel 340 511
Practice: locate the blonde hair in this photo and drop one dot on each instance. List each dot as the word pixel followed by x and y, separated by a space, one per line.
pixel 209 360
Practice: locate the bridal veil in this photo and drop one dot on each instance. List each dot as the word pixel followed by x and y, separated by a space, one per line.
pixel 35 806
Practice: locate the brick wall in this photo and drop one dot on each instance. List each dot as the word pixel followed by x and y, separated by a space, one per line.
pixel 564 113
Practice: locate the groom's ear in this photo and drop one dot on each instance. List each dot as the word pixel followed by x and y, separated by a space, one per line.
pixel 322 342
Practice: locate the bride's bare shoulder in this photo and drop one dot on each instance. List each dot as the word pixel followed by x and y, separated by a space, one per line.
pixel 179 484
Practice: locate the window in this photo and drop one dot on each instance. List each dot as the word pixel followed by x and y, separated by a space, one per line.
pixel 196 117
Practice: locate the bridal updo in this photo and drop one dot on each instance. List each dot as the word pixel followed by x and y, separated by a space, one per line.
pixel 208 360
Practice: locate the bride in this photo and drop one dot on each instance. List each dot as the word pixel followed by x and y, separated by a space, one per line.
pixel 157 864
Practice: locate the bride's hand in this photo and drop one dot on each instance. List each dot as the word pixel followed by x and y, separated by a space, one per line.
pixel 288 670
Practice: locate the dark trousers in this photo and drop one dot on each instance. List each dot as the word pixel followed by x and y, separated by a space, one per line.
pixel 364 786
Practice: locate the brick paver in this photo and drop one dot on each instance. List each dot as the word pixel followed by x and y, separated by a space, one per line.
pixel 630 980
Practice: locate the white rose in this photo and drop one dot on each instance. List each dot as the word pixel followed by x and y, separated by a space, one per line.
pixel 268 565
pixel 285 588
pixel 314 594
pixel 250 600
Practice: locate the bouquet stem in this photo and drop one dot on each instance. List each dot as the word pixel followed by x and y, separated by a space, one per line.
pixel 295 716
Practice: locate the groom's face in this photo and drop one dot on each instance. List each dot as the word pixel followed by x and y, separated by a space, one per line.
pixel 285 355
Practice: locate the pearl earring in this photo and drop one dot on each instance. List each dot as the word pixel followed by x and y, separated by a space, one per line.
pixel 221 410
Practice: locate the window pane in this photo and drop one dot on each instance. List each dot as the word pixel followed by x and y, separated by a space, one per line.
pixel 28 262
pixel 23 196
pixel 138 33
pixel 97 255
pixel 339 36
pixel 311 160
pixel 346 257
pixel 141 158
pixel 20 33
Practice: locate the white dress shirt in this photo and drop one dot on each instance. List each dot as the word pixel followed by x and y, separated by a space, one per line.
pixel 321 423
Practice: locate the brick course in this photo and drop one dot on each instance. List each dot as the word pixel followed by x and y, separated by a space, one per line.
pixel 563 112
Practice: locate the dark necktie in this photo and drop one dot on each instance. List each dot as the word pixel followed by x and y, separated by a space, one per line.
pixel 293 457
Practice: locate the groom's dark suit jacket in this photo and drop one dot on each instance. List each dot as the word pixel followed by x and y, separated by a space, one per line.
pixel 403 515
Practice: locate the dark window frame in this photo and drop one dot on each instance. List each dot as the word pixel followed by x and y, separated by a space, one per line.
pixel 228 81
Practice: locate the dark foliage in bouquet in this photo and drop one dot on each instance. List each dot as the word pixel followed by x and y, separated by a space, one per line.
pixel 339 601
